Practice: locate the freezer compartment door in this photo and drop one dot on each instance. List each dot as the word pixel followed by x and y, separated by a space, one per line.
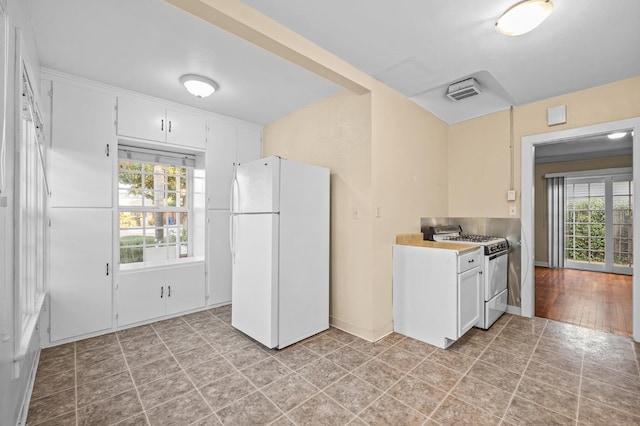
pixel 254 293
pixel 256 187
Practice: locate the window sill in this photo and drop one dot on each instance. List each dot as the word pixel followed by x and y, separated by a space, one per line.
pixel 161 264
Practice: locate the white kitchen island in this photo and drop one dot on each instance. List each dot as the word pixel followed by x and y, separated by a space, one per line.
pixel 436 290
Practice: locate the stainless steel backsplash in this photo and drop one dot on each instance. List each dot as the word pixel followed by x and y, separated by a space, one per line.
pixel 499 227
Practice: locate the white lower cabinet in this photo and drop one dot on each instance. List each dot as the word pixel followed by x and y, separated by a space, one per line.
pixel 80 288
pixel 219 257
pixel 436 293
pixel 153 293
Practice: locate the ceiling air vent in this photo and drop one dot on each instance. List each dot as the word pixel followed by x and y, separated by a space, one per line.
pixel 463 89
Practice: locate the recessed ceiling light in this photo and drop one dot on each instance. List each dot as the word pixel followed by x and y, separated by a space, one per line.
pixel 199 86
pixel 524 17
pixel 616 135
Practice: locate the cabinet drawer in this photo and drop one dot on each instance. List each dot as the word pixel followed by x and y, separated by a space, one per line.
pixel 469 260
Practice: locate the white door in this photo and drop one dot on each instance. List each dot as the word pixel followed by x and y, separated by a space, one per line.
pixel 469 287
pixel 81 271
pixel 219 257
pixel 257 187
pixel 186 129
pixel 141 119
pixel 141 296
pixel 184 287
pixel 221 156
pixel 255 276
pixel 83 147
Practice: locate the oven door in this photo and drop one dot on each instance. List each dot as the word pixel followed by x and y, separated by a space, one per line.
pixel 495 274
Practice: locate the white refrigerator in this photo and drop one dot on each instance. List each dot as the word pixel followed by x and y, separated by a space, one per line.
pixel 279 241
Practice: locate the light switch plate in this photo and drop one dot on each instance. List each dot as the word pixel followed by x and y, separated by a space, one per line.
pixel 511 195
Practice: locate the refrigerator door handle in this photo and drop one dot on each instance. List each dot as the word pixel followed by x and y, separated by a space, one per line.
pixel 231 239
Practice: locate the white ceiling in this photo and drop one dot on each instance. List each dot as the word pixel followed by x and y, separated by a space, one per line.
pixel 584 148
pixel 418 47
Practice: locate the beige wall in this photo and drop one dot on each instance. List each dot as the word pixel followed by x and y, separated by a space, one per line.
pixel 541 191
pixel 478 149
pixel 377 148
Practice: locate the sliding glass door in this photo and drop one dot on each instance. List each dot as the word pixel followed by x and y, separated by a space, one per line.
pixel 598 226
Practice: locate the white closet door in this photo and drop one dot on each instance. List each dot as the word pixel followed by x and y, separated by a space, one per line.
pixel 81 271
pixel 219 257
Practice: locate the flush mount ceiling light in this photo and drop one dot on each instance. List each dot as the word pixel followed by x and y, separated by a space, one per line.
pixel 616 135
pixel 523 17
pixel 199 86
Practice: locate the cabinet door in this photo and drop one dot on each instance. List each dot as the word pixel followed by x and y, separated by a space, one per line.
pixel 81 270
pixel 185 288
pixel 219 257
pixel 141 296
pixel 141 119
pixel 249 146
pixel 83 147
pixel 469 287
pixel 221 156
pixel 186 129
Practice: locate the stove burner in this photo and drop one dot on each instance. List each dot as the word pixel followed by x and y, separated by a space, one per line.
pixel 470 238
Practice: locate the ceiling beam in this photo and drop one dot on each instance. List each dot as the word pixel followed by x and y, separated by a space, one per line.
pixel 247 23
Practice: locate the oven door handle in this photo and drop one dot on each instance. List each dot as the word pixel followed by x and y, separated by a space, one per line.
pixel 495 256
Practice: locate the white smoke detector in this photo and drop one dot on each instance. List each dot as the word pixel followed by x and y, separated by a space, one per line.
pixel 463 89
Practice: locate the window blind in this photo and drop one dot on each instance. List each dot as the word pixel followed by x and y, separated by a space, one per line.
pixel 147 155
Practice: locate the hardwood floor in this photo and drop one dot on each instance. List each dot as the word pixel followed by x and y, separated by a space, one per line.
pixel 596 300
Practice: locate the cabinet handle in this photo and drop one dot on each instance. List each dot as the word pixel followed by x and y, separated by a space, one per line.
pixel 472 260
pixel 107 269
pixel 161 292
pixel 162 125
pixel 169 126
pixel 169 294
pixel 106 150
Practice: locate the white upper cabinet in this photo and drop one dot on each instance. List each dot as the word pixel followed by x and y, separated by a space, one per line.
pixel 153 121
pixel 83 147
pixel 229 145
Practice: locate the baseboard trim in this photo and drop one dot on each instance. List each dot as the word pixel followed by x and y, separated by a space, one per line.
pixel 514 310
pixel 361 332
pixel 543 264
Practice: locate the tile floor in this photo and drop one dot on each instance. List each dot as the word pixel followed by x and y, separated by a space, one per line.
pixel 197 370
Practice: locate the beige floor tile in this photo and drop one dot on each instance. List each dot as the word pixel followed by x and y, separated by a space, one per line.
pixel 610 395
pixel 320 410
pixel 168 324
pixel 348 358
pixel 94 355
pixel 353 393
pixel 416 347
pixel 289 391
pixel 454 411
pixel 56 365
pixel 370 348
pixel 140 342
pixel 265 372
pixel 340 335
pixel 564 361
pixel 254 409
pixel 552 376
pixel 282 421
pixel 47 385
pixel 417 394
pixel 437 375
pixel 468 348
pixel 399 358
pixel 57 351
pixel 98 370
pixel 154 370
pixel 161 390
pixel 104 388
pixel 322 372
pixel 389 411
pixel 451 359
pixel 178 332
pixel 137 420
pixel 210 371
pixel 96 342
pixel 503 379
pixel 322 344
pixel 507 360
pixel 182 344
pixel 66 419
pixel 612 377
pixel 393 338
pixel 244 357
pixel 112 410
pixel 223 392
pixel 231 343
pixel 378 374
pixel 51 406
pixel 211 420
pixel 523 412
pixel 195 356
pixel 135 332
pixel 549 397
pixel 482 395
pixel 183 410
pixel 146 355
pixel 513 346
pixel 296 356
pixel 596 414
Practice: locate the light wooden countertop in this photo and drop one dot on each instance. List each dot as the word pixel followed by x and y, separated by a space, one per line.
pixel 416 240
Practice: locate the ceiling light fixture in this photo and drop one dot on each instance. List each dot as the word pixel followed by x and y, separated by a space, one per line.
pixel 616 135
pixel 199 86
pixel 524 16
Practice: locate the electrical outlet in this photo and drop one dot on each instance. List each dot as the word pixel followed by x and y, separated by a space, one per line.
pixel 512 211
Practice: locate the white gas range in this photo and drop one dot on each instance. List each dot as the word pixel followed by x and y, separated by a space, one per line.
pixel 494 268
